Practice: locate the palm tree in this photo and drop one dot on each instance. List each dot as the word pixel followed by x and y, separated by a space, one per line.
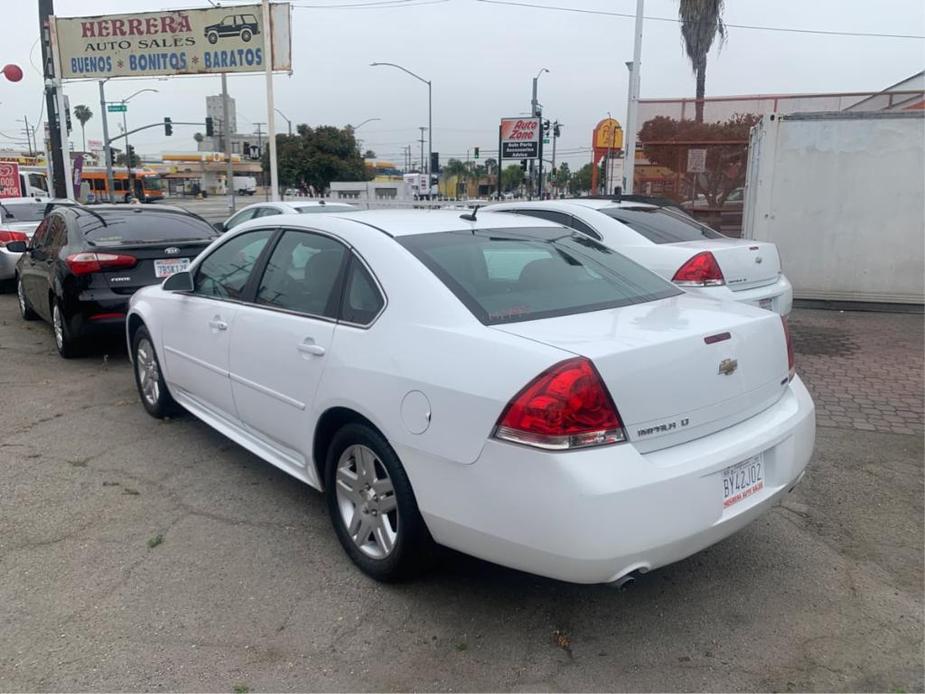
pixel 83 114
pixel 701 21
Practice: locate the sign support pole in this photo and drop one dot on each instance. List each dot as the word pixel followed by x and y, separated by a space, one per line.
pixel 632 111
pixel 500 163
pixel 271 112
pixel 62 120
pixel 107 149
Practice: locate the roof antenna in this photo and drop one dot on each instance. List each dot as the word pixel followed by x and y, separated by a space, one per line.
pixel 470 216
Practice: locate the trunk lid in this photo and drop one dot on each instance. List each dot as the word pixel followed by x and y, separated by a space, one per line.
pixel 745 264
pixel 153 259
pixel 669 383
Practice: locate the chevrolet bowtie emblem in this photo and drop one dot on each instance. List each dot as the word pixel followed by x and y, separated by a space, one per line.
pixel 728 366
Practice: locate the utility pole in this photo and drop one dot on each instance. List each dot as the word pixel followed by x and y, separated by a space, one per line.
pixel 422 152
pixel 46 10
pixel 555 136
pixel 226 131
pixel 25 120
pixel 632 110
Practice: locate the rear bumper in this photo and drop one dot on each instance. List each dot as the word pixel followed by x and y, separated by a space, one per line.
pixel 97 313
pixel 594 516
pixel 8 264
pixel 777 296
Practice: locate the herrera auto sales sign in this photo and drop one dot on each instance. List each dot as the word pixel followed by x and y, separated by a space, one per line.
pixel 520 138
pixel 178 42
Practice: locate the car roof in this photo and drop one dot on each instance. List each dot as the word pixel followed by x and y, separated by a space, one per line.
pixel 567 203
pixel 410 222
pixel 318 203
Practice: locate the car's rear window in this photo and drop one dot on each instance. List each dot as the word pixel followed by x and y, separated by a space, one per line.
pixel 659 225
pixel 108 228
pixel 22 211
pixel 506 276
pixel 314 209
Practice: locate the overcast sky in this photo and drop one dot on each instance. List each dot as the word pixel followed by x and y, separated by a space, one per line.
pixel 481 59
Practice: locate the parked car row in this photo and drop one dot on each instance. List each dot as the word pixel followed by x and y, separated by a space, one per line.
pixel 505 385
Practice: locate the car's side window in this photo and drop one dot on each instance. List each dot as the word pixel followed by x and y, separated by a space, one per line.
pixel 579 225
pixel 38 237
pixel 302 274
pixel 241 217
pixel 551 215
pixel 224 273
pixel 362 298
pixel 57 235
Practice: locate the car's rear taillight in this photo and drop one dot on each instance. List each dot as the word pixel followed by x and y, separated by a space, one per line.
pixel 701 270
pixel 7 236
pixel 791 360
pixel 565 407
pixel 85 263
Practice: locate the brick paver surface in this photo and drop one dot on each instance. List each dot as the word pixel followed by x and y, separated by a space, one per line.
pixel 864 370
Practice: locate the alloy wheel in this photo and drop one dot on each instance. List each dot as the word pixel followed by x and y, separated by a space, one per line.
pixel 366 501
pixel 58 325
pixel 149 374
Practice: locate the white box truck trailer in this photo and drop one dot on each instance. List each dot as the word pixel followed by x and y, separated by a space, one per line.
pixel 843 196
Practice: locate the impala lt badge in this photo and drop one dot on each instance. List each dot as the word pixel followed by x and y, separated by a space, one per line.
pixel 173 250
pixel 728 366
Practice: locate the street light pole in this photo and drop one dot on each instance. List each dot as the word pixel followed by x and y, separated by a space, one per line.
pixel 430 116
pixel 288 122
pixel 536 112
pixel 128 159
pixel 108 150
pixel 632 110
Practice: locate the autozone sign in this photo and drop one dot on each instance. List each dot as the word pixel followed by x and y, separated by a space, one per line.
pixel 9 180
pixel 173 42
pixel 520 138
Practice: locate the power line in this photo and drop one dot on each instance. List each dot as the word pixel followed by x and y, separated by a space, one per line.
pixel 380 5
pixel 792 30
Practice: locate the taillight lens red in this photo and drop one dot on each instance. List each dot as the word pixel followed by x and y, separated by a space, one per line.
pixel 85 263
pixel 567 406
pixel 701 270
pixel 7 236
pixel 791 360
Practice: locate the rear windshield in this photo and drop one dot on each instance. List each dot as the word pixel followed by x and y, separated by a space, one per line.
pixel 506 276
pixel 313 209
pixel 659 225
pixel 109 228
pixel 22 211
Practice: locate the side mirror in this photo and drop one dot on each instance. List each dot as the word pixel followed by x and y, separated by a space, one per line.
pixel 219 227
pixel 178 282
pixel 17 246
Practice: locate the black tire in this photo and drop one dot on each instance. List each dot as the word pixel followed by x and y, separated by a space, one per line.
pixel 413 549
pixel 213 37
pixel 153 392
pixel 67 343
pixel 25 309
pixel 246 35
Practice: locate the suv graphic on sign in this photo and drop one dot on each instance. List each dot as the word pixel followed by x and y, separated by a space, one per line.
pixel 243 25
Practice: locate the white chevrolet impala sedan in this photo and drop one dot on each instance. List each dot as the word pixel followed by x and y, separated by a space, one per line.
pixel 497 384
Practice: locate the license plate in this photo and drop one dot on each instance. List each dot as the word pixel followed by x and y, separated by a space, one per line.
pixel 767 304
pixel 742 480
pixel 168 267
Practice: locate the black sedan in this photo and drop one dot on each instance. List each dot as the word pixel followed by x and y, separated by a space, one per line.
pixel 84 263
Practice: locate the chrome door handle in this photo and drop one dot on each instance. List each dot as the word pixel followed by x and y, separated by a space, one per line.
pixel 218 324
pixel 312 348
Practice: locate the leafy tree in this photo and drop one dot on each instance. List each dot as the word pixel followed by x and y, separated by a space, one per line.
pixel 121 158
pixel 457 168
pixel 725 165
pixel 491 166
pixel 701 21
pixel 369 154
pixel 580 182
pixel 512 177
pixel 317 156
pixel 561 178
pixel 83 114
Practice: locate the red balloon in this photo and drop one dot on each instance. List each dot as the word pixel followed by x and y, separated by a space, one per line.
pixel 12 72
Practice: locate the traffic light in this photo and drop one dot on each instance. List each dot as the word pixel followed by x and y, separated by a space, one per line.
pixel 210 128
pixel 168 126
pixel 545 126
pixel 523 164
pixel 67 113
pixel 130 155
pixel 435 162
pixel 476 152
pixel 557 130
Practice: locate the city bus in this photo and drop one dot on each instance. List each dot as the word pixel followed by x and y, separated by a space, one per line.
pixel 148 186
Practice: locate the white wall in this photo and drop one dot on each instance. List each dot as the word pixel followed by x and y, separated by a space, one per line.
pixel 843 197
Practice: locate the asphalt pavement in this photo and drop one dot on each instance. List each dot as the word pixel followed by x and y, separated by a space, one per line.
pixel 138 554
